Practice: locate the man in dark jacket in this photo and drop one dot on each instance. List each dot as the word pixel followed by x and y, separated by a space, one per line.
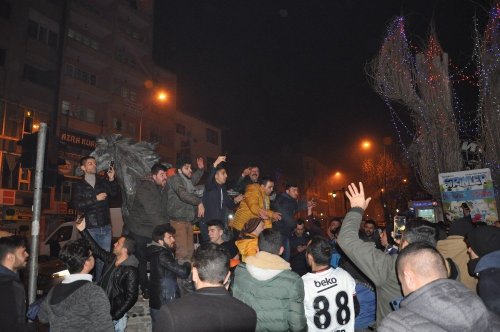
pixel 484 251
pixel 119 279
pixel 13 257
pixel 90 196
pixel 216 201
pixel 211 307
pixel 164 269
pixel 298 245
pixel 184 205
pixel 250 175
pixel 148 210
pixel 288 205
pixel 433 302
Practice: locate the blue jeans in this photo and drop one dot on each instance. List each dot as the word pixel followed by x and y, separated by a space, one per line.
pixel 121 324
pixel 101 235
pixel 154 317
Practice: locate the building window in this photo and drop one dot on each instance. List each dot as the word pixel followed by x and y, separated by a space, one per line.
pixel 79 112
pixel 81 75
pixel 125 58
pixel 85 40
pixel 180 129
pixel 212 136
pixel 41 77
pixel 43 34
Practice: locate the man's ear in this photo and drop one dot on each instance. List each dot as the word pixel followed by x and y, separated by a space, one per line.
pixel 281 250
pixel 409 279
pixel 196 277
pixel 82 168
pixel 227 278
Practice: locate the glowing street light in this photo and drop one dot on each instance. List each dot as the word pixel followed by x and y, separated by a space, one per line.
pixel 366 145
pixel 162 96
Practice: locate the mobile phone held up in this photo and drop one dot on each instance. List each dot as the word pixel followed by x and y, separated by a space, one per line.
pixel 399 226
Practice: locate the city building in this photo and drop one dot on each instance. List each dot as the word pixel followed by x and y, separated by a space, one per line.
pixel 85 67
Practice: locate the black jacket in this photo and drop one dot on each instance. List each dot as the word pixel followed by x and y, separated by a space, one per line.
pixel 120 283
pixel 210 309
pixel 149 208
pixel 216 199
pixel 288 207
pixel 84 199
pixel 164 271
pixel 12 303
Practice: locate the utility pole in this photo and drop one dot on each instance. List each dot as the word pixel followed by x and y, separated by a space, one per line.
pixel 37 204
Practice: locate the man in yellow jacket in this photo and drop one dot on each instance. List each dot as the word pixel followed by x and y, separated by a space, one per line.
pixel 256 204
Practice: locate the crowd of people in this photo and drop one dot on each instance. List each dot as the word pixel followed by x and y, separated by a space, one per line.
pixel 264 270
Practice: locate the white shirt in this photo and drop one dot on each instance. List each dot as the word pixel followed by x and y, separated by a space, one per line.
pixel 328 300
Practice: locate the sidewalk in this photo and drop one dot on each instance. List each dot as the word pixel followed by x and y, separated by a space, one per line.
pixel 139 319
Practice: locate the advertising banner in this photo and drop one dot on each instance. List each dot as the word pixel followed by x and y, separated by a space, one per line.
pixel 474 188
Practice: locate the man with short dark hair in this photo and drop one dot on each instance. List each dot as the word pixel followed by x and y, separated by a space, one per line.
pixel 298 245
pixel 120 278
pixel 433 302
pixel 13 257
pixel 91 196
pixel 77 304
pixel 216 232
pixel 184 205
pixel 369 233
pixel 211 307
pixel 288 205
pixel 250 175
pixel 266 284
pixel 216 200
pixel 256 204
pixel 149 209
pixel 330 295
pixel 164 269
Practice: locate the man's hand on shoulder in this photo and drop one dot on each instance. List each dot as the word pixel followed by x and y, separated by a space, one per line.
pixel 357 197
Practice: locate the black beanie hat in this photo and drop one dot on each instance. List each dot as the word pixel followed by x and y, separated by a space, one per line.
pixel 461 227
pixel 484 239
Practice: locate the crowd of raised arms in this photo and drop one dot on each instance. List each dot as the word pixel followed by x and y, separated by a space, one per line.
pixel 262 270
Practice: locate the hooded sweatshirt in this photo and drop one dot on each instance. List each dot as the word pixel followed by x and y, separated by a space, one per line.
pixel 267 284
pixel 454 247
pixel 77 305
pixel 247 246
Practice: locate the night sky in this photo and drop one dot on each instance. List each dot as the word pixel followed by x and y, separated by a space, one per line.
pixel 292 73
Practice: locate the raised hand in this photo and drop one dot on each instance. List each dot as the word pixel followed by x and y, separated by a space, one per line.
pixel 357 197
pixel 246 172
pixel 219 160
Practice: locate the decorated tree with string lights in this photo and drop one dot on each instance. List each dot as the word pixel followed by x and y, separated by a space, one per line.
pixel 420 85
pixel 487 58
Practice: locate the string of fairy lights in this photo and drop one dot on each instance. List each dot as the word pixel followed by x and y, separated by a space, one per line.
pixel 420 82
